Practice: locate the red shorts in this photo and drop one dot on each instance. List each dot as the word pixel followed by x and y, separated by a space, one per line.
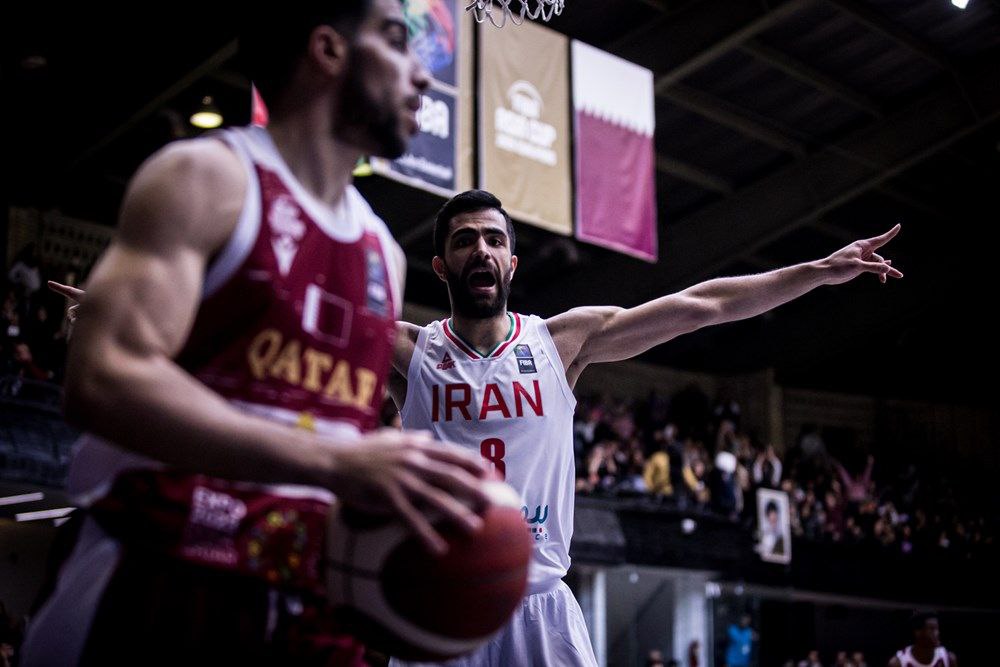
pixel 214 570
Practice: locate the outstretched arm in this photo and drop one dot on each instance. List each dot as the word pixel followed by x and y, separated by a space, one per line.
pixel 606 333
pixel 73 294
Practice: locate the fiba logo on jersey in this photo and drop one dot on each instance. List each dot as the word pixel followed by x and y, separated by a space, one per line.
pixel 286 231
pixel 525 361
pixel 378 287
pixel 536 522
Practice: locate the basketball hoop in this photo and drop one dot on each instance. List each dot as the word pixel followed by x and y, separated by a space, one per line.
pixel 533 9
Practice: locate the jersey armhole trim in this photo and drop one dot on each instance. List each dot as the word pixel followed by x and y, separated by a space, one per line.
pixel 241 241
pixel 556 360
pixel 392 252
pixel 413 373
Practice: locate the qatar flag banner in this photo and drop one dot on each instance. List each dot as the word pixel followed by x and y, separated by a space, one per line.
pixel 613 122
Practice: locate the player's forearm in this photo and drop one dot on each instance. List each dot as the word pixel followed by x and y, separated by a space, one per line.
pixel 151 406
pixel 742 297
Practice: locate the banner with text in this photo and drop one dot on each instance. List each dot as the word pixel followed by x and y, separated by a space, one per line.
pixel 524 123
pixel 430 160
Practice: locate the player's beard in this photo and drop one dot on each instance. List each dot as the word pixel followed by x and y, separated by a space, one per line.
pixel 376 120
pixel 466 304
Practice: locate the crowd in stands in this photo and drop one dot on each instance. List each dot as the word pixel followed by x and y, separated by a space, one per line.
pixel 684 453
pixel 842 659
pixel 33 326
pixel 680 451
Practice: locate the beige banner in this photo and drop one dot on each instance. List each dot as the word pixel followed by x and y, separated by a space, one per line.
pixel 524 126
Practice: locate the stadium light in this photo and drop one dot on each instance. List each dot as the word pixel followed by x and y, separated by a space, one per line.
pixel 208 116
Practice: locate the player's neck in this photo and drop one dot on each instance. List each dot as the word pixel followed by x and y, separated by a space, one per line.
pixel 323 165
pixel 923 653
pixel 485 333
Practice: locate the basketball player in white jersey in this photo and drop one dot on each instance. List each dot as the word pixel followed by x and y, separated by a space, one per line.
pixel 926 650
pixel 501 384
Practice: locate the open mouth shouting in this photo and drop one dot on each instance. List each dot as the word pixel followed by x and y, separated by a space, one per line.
pixel 481 281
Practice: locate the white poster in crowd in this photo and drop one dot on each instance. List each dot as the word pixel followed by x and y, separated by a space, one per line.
pixel 774 526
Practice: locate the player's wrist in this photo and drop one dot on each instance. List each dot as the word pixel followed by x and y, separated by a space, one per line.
pixel 820 271
pixel 324 466
pixel 306 459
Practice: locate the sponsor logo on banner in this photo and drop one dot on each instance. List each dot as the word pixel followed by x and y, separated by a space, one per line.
pixel 520 128
pixel 433 29
pixel 431 154
pixel 434 117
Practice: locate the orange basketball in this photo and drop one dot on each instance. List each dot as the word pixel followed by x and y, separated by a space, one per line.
pixel 398 598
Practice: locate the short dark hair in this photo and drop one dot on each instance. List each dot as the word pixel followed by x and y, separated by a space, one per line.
pixel 771 506
pixel 271 43
pixel 466 202
pixel 920 618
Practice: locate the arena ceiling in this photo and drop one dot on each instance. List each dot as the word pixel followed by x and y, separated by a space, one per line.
pixel 785 129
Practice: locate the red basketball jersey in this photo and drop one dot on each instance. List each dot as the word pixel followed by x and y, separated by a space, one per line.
pixel 299 312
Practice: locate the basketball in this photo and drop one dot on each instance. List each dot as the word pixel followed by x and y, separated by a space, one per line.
pixel 399 598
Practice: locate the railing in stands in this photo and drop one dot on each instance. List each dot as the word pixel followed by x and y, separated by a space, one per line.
pixel 35 441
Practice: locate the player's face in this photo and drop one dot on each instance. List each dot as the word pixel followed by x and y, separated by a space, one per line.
pixel 930 633
pixel 382 89
pixel 478 265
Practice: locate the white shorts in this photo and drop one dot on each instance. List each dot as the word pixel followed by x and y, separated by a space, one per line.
pixel 57 635
pixel 547 631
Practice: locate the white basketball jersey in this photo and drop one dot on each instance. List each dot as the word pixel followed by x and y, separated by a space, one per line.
pixel 940 658
pixel 515 408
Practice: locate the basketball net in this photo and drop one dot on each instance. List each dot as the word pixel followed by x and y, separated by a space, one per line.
pixel 499 11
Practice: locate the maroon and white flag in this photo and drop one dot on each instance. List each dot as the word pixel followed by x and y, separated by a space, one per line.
pixel 613 122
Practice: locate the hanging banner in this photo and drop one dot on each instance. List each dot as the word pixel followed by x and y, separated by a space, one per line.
pixel 431 157
pixel 524 123
pixel 613 123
